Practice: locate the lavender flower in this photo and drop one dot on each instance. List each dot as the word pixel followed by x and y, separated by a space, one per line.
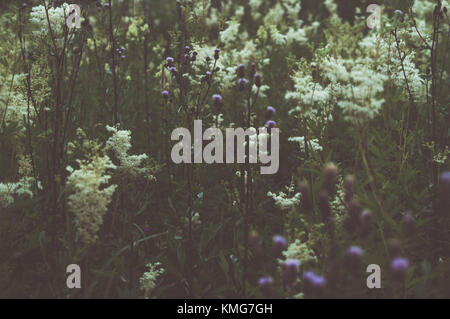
pixel 257 79
pixel 173 70
pixel 270 124
pixel 400 12
pixel 290 268
pixel 313 282
pixel 170 60
pixel 265 281
pixel 241 84
pixel 354 254
pixel 399 266
pixel 165 94
pixel 270 109
pixel 241 70
pixel 217 100
pixel 279 244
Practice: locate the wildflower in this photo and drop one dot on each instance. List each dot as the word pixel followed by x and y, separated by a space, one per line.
pixel 270 111
pixel 313 283
pixel 330 175
pixel 290 268
pixel 354 254
pixel 149 278
pixel 241 70
pixel 279 245
pixel 257 79
pixel 170 61
pixel 270 124
pixel 165 94
pixel 241 84
pixel 266 283
pixel 173 70
pixel 349 185
pixel 216 54
pixel 399 266
pixel 443 196
pixel 400 12
pixel 123 57
pixel 187 49
pixel 217 100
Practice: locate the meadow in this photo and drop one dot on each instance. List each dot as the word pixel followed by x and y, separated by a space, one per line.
pixel 358 205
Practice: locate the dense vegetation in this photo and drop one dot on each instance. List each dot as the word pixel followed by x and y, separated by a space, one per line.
pixel 86 176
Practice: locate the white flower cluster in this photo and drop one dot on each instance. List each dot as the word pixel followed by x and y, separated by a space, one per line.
pixel 24 186
pixel 120 144
pixel 283 201
pixel 57 17
pixel 312 143
pixel 300 251
pixel 89 198
pixel 149 278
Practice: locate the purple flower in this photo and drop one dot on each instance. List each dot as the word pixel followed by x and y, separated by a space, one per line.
pixel 173 70
pixel 400 12
pixel 208 74
pixel 354 251
pixel 399 265
pixel 257 79
pixel 445 178
pixel 241 70
pixel 216 54
pixel 313 280
pixel 24 5
pixel 217 100
pixel 241 84
pixel 265 281
pixel 279 244
pixel 165 93
pixel 123 57
pixel 187 49
pixel 170 60
pixel 107 5
pixel 147 229
pixel 270 109
pixel 270 124
pixel 290 268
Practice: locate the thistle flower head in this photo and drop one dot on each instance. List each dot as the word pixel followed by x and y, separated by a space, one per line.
pixel 271 124
pixel 165 94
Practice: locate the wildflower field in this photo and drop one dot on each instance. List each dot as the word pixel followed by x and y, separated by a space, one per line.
pixel 101 198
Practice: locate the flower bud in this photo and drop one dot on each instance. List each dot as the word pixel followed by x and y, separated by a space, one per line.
pixel 241 71
pixel 279 244
pixel 266 284
pixel 241 84
pixel 216 54
pixel 257 79
pixel 290 270
pixel 366 222
pixel 271 124
pixel 217 100
pixel 270 111
pixel 399 266
pixel 313 284
pixel 305 190
pixel 353 255
pixel 349 187
pixel 165 94
pixel 330 175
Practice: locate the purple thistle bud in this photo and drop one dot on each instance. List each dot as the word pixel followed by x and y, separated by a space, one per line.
pixel 217 100
pixel 266 284
pixel 208 74
pixel 122 49
pixel 271 124
pixel 265 281
pixel 270 109
pixel 349 187
pixel 445 178
pixel 170 60
pixel 290 268
pixel 443 194
pixel 194 53
pixel 147 229
pixel 257 79
pixel 241 70
pixel 165 94
pixel 216 54
pixel 279 244
pixel 366 220
pixel 354 254
pixel 253 70
pixel 313 282
pixel 107 5
pixel 399 266
pixel 173 70
pixel 241 84
pixel 187 49
pixel 123 57
pixel 24 5
pixel 400 12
